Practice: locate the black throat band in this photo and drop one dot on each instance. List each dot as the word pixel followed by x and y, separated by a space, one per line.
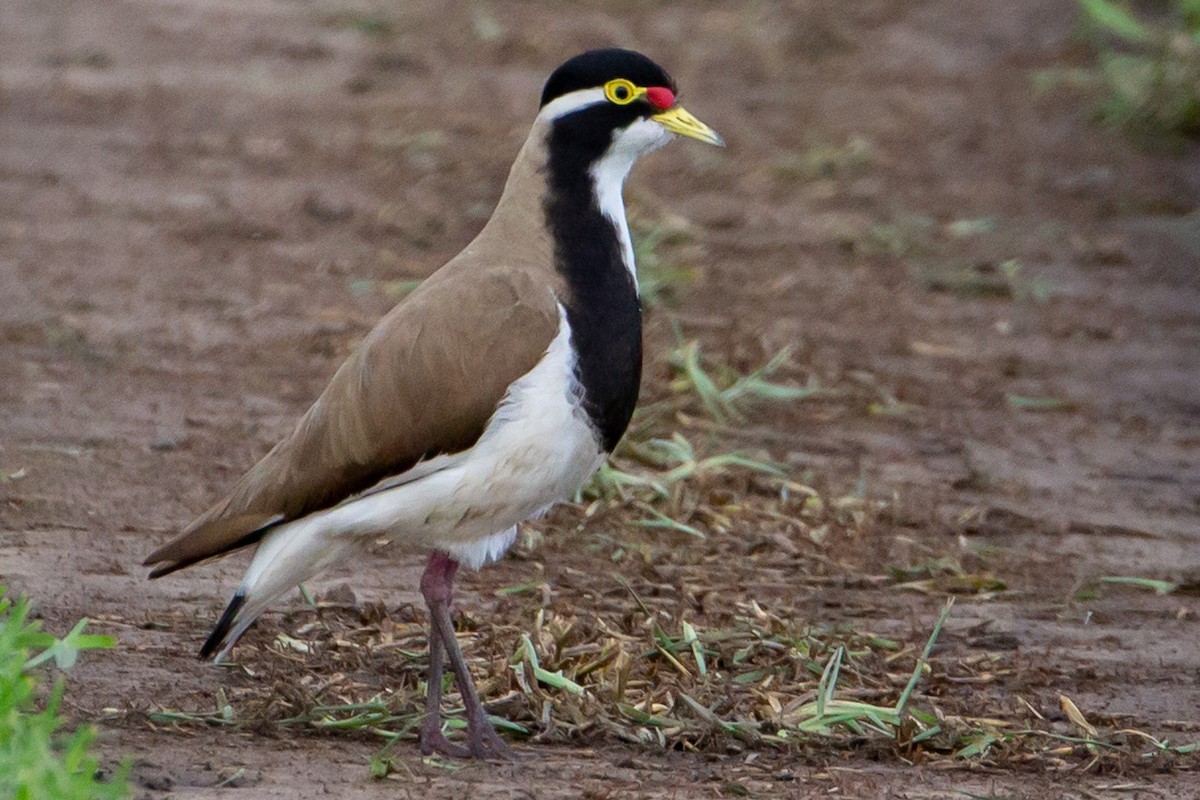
pixel 602 305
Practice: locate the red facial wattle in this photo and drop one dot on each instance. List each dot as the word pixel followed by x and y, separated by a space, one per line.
pixel 660 97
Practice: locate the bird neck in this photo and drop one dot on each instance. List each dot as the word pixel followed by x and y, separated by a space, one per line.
pixel 585 217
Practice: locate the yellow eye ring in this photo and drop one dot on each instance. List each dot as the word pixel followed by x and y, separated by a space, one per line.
pixel 622 92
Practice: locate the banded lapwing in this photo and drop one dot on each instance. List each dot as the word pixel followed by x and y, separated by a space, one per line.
pixel 484 397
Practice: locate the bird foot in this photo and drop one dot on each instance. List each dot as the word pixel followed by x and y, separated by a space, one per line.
pixel 482 742
pixel 434 741
pixel 485 743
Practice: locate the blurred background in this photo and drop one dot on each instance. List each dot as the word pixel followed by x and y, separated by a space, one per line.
pixel 929 326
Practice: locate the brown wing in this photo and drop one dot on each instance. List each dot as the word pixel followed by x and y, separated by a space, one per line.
pixel 425 381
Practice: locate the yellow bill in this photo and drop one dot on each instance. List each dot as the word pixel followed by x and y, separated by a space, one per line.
pixel 679 120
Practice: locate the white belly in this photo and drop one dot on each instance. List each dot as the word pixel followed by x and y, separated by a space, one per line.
pixel 537 449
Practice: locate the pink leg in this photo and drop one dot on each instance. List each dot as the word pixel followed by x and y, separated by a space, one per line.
pixel 437 585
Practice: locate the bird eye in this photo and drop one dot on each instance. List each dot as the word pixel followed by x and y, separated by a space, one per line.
pixel 620 91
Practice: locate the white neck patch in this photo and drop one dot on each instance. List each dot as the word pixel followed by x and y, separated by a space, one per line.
pixel 609 173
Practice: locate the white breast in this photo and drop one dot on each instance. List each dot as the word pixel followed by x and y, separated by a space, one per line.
pixel 538 448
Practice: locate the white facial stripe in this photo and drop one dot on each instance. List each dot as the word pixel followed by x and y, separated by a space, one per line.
pixel 609 172
pixel 571 102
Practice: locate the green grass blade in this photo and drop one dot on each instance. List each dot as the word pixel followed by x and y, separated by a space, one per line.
pixel 1115 19
pixel 924 659
pixel 1158 587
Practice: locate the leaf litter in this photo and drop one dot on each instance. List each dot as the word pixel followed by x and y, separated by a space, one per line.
pixel 704 635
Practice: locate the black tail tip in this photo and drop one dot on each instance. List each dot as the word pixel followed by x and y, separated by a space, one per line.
pixel 217 637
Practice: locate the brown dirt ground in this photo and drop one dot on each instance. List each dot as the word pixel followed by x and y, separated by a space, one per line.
pixel 201 208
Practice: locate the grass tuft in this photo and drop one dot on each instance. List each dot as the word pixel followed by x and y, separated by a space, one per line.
pixel 1147 72
pixel 666 260
pixel 726 394
pixel 38 758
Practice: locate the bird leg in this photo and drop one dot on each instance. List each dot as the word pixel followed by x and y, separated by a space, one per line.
pixel 437 586
pixel 432 738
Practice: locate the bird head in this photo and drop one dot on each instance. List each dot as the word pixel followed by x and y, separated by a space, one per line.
pixel 617 102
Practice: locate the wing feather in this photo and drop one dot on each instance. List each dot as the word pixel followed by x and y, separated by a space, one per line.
pixel 424 382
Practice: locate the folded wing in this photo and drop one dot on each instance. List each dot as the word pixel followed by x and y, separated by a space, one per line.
pixel 424 382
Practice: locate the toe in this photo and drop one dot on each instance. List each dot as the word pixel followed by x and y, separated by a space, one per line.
pixel 486 743
pixel 436 742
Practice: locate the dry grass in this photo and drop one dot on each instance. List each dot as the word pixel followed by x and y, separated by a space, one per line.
pixel 674 609
pixel 678 655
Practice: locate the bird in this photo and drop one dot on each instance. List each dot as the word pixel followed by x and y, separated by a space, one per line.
pixel 487 395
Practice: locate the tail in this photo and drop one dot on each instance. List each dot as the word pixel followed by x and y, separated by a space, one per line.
pixel 286 556
pixel 224 624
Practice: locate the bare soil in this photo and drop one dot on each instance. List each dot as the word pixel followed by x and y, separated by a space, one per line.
pixel 204 205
